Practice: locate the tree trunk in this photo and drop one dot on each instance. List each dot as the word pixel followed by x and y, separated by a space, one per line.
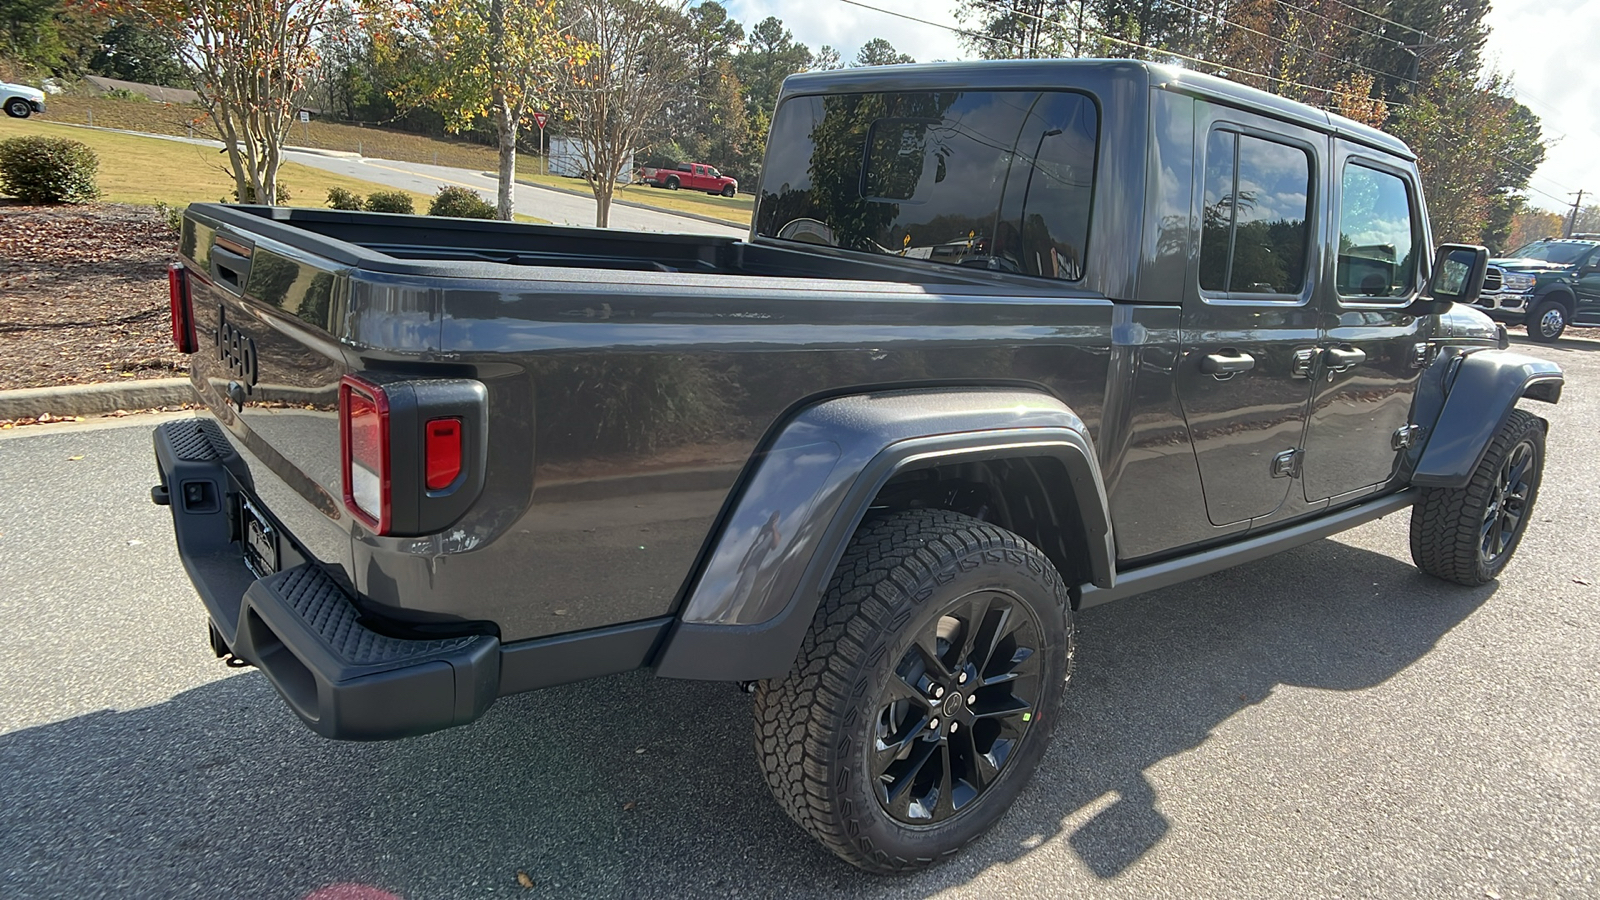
pixel 508 164
pixel 602 204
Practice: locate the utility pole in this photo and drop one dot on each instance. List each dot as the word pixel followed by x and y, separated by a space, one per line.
pixel 1572 219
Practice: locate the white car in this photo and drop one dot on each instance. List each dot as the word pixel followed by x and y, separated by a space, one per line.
pixel 20 101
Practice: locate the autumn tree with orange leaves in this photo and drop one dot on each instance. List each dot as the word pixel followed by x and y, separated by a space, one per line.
pixel 251 60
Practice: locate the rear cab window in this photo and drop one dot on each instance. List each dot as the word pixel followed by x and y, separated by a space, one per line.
pixel 999 180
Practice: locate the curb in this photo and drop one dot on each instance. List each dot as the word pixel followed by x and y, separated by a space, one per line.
pixel 95 399
pixel 713 220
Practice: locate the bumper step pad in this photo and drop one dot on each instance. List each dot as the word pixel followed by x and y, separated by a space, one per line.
pixel 348 681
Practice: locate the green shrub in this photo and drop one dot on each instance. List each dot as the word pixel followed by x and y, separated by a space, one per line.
pixel 461 203
pixel 282 190
pixel 390 202
pixel 173 215
pixel 339 198
pixel 48 170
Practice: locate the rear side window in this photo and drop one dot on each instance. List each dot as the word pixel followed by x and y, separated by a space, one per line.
pixel 999 180
pixel 1254 234
pixel 1377 234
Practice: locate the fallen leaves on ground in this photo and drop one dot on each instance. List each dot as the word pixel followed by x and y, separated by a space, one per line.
pixel 83 295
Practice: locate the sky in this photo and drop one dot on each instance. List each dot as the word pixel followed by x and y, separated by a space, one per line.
pixel 1546 47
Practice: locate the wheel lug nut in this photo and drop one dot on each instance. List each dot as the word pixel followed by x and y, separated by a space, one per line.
pixel 937 692
pixel 972 700
pixel 933 724
pixel 954 727
pixel 963 678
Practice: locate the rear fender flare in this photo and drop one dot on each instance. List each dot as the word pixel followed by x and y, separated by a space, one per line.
pixel 747 609
pixel 1485 389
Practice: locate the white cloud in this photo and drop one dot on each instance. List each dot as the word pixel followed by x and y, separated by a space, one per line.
pixel 1548 47
pixel 846 27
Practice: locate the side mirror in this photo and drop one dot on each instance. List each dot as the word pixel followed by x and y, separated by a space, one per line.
pixel 1458 271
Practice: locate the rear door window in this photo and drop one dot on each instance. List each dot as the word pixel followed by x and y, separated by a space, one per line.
pixel 1254 233
pixel 1000 180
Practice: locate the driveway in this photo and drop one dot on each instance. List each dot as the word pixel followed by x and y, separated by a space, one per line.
pixel 1324 723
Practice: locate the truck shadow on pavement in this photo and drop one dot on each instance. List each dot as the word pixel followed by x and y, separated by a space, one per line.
pixel 636 786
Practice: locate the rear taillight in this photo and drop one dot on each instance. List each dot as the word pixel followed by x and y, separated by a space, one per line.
pixel 364 433
pixel 443 453
pixel 182 310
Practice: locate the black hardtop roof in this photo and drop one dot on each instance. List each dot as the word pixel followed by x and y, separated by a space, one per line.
pixel 1040 74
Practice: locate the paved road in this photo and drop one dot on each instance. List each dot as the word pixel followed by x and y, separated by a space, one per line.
pixel 1324 723
pixel 553 206
pixel 532 200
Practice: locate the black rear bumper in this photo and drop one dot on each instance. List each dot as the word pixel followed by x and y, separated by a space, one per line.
pixel 299 625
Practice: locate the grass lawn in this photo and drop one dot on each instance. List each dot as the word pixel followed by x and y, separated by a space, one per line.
pixel 189 121
pixel 146 171
pixel 734 210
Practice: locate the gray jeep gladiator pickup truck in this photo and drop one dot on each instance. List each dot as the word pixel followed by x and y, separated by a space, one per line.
pixel 1007 340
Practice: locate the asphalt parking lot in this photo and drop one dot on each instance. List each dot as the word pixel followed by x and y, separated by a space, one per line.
pixel 1325 723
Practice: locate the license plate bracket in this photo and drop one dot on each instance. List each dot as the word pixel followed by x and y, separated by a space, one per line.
pixel 258 539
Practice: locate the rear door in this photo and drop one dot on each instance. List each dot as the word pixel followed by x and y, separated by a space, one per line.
pixel 1249 320
pixel 1371 350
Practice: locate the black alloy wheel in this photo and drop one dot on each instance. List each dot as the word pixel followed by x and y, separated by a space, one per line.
pixel 961 700
pixel 1507 510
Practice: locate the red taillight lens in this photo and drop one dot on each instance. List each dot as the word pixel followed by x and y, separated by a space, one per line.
pixel 364 432
pixel 443 453
pixel 182 310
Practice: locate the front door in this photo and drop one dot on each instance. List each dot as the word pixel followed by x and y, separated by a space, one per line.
pixel 1588 290
pixel 1371 350
pixel 1249 323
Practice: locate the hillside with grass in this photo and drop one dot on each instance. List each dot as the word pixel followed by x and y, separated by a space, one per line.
pixel 151 170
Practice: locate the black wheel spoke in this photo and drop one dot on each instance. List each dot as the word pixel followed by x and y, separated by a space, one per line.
pixel 927 646
pixel 980 768
pixel 944 806
pixel 902 775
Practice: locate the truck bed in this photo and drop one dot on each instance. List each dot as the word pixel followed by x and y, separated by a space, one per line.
pixel 420 245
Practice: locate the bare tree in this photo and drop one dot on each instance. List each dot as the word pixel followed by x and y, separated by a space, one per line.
pixel 251 60
pixel 610 98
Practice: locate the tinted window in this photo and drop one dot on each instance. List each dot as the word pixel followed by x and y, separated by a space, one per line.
pixel 1253 233
pixel 997 179
pixel 1376 234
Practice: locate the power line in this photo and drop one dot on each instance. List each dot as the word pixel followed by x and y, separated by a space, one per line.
pixel 1387 21
pixel 901 15
pixel 1284 41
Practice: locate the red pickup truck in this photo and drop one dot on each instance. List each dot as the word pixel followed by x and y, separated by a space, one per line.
pixel 694 176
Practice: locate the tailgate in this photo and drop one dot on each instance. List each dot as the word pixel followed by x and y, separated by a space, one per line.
pixel 268 367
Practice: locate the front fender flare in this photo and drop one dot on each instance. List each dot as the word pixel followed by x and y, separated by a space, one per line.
pixel 1484 391
pixel 750 604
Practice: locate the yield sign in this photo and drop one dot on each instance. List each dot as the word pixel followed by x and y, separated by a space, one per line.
pixel 540 118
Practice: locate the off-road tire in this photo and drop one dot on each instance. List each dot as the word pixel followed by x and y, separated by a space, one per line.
pixel 18 109
pixel 1448 524
pixel 1547 332
pixel 816 728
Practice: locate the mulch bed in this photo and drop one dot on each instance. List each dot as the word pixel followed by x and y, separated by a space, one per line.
pixel 83 295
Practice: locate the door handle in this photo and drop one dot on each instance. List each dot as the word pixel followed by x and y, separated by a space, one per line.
pixel 1342 359
pixel 1225 364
